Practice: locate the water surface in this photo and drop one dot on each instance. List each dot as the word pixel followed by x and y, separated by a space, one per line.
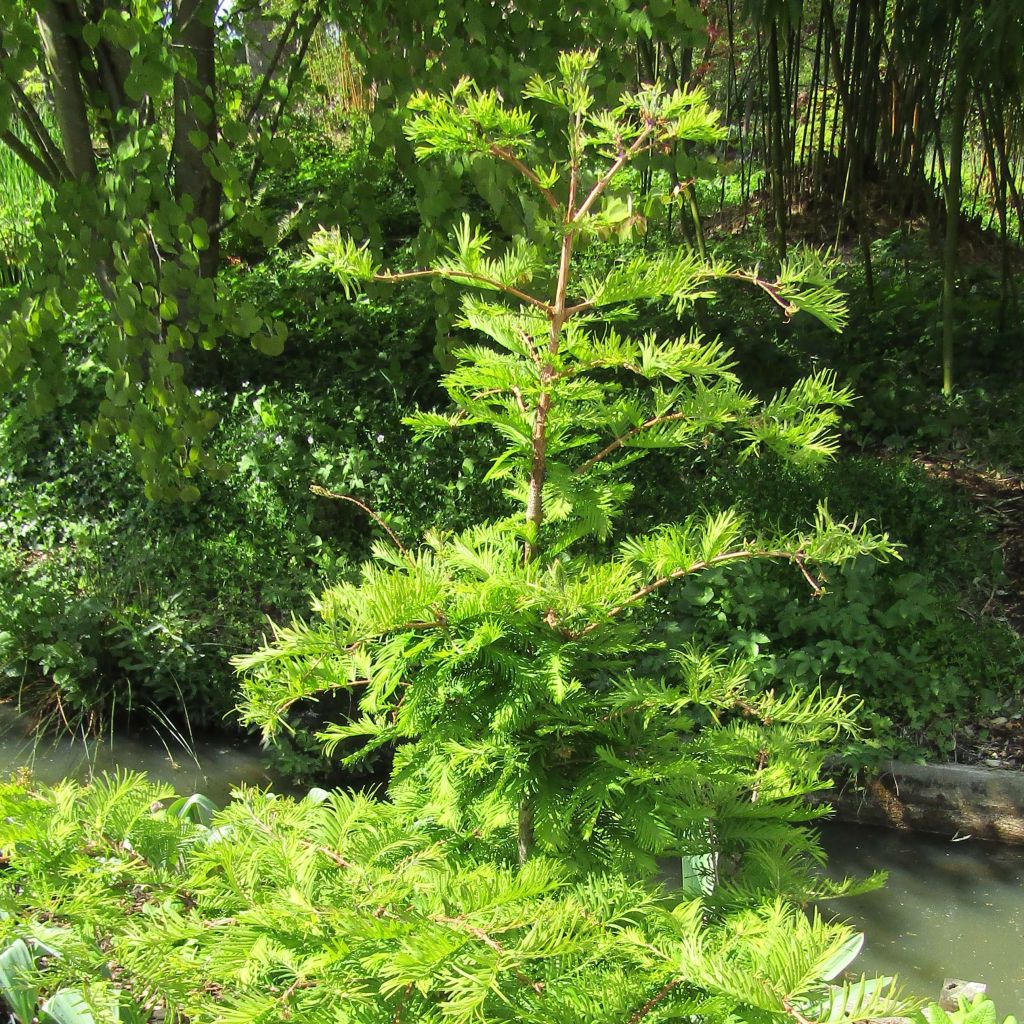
pixel 949 910
pixel 192 765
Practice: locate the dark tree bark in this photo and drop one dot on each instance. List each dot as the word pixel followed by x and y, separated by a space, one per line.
pixel 195 116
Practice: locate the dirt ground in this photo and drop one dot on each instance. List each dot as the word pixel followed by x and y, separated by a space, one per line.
pixel 997 741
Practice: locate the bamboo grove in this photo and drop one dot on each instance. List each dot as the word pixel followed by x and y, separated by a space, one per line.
pixel 866 112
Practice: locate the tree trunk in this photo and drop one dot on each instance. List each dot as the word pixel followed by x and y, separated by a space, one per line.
pixel 65 76
pixel 778 163
pixel 195 118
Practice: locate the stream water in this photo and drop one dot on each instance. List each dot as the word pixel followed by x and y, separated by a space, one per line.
pixel 210 767
pixel 949 909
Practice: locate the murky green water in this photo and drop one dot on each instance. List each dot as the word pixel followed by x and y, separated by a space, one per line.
pixel 949 910
pixel 202 766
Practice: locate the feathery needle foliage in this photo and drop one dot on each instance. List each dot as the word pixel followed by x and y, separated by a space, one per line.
pixel 498 660
pixel 336 908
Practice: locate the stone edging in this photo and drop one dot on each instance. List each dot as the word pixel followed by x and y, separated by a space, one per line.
pixel 952 800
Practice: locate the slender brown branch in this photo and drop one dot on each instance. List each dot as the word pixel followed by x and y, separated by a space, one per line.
pixel 653 1001
pixel 406 992
pixel 538 436
pixel 793 1012
pixel 574 171
pixel 623 438
pixel 797 557
pixel 520 401
pixel 408 275
pixel 603 182
pixel 770 289
pixel 331 855
pixel 762 763
pixel 529 346
pixel 815 586
pixel 324 493
pixel 527 172
pixel 478 933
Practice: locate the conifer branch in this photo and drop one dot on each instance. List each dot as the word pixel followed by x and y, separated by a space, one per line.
pixel 527 172
pixel 628 435
pixel 796 557
pixel 793 1012
pixel 461 925
pixel 624 157
pixel 389 277
pixel 654 1000
pixel 331 855
pixel 768 287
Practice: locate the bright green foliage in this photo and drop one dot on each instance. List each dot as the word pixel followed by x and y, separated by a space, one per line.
pixel 499 660
pixel 500 48
pixel 22 195
pixel 981 1011
pixel 81 861
pixel 336 908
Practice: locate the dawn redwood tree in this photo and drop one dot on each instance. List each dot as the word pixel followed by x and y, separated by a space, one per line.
pixel 500 661
pixel 539 772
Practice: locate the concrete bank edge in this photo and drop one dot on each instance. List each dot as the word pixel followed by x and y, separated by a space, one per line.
pixel 952 800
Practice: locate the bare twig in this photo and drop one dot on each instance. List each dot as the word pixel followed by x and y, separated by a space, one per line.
pixel 762 763
pixel 653 1001
pixel 769 288
pixel 793 1012
pixel 324 493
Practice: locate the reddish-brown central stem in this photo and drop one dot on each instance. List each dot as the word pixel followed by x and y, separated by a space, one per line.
pixel 539 447
pixel 539 436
